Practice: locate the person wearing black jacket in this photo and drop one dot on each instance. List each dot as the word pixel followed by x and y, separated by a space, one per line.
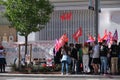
pixel 114 57
pixel 103 57
pixel 74 56
pixel 90 57
pixel 119 58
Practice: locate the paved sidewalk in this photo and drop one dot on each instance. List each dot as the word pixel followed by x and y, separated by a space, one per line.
pixel 58 75
pixel 55 75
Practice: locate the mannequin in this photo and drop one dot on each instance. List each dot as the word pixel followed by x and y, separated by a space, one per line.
pixel 11 38
pixel 4 38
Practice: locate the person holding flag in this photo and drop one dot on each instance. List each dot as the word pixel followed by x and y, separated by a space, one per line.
pixel 65 59
pixel 95 57
pixel 103 57
pixel 114 57
pixel 57 48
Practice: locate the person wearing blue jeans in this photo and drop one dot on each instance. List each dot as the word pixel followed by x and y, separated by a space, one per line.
pixel 103 57
pixel 103 64
pixel 64 60
pixel 64 64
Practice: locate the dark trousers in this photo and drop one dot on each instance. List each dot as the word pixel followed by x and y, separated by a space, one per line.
pixel 2 67
pixel 2 64
pixel 91 67
pixel 80 66
pixel 119 65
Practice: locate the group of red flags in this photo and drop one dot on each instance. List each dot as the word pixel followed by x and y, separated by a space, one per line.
pixel 107 36
pixel 63 39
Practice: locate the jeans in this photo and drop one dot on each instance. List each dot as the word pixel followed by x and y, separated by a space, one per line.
pixel 74 66
pixel 103 64
pixel 64 65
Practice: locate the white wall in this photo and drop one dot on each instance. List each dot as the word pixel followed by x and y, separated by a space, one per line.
pixel 108 21
pixel 31 37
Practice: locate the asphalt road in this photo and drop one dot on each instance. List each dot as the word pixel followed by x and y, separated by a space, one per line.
pixel 66 78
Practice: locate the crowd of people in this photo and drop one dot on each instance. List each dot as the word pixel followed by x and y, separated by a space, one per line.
pixel 89 58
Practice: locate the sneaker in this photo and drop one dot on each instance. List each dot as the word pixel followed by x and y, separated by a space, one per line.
pixel 104 74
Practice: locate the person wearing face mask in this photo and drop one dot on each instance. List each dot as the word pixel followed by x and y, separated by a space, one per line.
pixel 114 57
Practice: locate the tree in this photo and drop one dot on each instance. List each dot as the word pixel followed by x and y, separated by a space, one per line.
pixel 28 16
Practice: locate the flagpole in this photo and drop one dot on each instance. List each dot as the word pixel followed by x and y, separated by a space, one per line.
pixel 96 19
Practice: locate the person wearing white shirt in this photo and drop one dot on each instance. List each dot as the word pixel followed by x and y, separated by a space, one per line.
pixel 95 57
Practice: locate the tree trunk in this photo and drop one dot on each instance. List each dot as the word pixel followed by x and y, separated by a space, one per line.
pixel 26 42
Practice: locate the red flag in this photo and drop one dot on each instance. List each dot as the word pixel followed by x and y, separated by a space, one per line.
pixel 59 43
pixel 105 35
pixel 66 16
pixel 90 37
pixel 115 35
pixel 64 38
pixel 57 46
pixel 77 34
pixel 99 38
pixel 110 35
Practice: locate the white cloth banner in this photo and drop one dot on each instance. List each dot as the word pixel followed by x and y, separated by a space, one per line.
pixel 40 49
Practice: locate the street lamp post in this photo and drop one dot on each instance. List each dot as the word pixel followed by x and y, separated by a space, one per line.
pixel 96 19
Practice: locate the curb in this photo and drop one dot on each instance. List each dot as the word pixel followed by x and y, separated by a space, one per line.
pixel 58 76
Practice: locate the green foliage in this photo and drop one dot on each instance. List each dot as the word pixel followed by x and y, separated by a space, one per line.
pixel 37 68
pixel 28 16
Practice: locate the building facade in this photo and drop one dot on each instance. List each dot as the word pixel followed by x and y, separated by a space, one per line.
pixel 81 17
pixel 57 27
